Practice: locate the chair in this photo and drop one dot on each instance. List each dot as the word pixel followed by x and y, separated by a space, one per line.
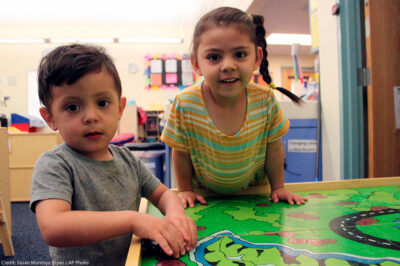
pixel 5 234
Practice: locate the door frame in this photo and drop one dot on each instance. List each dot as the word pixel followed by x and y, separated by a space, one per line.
pixel 352 95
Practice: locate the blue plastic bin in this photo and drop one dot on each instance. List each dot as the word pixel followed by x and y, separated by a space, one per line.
pixel 153 156
pixel 154 161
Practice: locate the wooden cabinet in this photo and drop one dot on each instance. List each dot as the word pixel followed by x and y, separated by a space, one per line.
pixel 4 174
pixel 25 149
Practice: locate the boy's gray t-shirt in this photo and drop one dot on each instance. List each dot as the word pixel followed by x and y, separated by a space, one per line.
pixel 86 184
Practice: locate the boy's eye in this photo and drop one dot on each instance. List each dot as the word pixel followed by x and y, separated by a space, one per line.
pixel 72 107
pixel 103 103
pixel 240 54
pixel 213 57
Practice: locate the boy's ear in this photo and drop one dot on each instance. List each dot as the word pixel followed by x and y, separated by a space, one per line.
pixel 122 104
pixel 195 64
pixel 46 115
pixel 259 57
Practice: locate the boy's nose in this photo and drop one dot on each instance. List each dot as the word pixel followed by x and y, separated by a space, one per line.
pixel 91 116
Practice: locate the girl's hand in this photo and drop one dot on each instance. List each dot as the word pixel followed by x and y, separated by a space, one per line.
pixel 166 234
pixel 189 196
pixel 282 194
pixel 186 226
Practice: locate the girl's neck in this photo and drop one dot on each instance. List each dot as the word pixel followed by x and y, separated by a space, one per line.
pixel 222 102
pixel 227 113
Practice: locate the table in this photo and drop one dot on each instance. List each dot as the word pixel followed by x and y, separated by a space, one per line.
pixel 343 223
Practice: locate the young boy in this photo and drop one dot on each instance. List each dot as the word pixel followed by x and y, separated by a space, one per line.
pixel 85 192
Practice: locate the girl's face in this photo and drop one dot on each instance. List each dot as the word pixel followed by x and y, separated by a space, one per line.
pixel 227 59
pixel 86 113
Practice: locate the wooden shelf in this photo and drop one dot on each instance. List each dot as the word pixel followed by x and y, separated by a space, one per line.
pixel 24 150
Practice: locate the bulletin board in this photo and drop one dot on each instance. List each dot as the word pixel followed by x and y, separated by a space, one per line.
pixel 168 72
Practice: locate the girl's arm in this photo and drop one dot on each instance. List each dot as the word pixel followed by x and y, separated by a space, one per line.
pixel 274 167
pixel 184 172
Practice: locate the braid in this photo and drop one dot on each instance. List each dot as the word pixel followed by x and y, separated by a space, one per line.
pixel 259 29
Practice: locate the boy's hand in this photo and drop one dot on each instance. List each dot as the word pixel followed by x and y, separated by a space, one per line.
pixel 167 235
pixel 190 197
pixel 186 226
pixel 282 194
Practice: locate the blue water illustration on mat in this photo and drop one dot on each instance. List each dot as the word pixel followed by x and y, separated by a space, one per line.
pixel 198 255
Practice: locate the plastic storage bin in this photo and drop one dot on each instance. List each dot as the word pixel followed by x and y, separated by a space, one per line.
pixel 153 156
pixel 301 147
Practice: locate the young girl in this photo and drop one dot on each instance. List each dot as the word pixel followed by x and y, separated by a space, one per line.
pixel 225 132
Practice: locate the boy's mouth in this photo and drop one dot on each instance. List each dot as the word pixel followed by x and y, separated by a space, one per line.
pixel 92 135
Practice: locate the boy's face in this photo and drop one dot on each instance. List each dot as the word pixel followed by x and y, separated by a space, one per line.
pixel 86 113
pixel 227 59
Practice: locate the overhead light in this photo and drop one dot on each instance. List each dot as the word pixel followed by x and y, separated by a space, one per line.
pixel 22 41
pixel 92 40
pixel 86 40
pixel 289 39
pixel 63 40
pixel 96 40
pixel 151 40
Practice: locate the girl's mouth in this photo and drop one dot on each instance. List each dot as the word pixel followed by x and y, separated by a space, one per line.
pixel 230 80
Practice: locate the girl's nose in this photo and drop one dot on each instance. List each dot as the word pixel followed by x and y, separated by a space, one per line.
pixel 228 65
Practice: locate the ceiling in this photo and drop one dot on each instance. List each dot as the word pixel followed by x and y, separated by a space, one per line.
pixel 281 16
pixel 106 12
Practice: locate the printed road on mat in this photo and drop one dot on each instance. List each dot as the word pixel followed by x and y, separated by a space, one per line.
pixel 359 226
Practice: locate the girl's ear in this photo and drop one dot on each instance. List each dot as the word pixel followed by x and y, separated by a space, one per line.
pixel 259 57
pixel 46 115
pixel 195 64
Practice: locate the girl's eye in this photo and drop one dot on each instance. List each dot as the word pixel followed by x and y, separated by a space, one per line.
pixel 103 103
pixel 72 107
pixel 240 54
pixel 213 57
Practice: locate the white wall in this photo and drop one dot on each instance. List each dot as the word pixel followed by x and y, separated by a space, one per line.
pixel 16 60
pixel 329 77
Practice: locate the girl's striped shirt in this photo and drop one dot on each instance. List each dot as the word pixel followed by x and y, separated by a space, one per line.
pixel 225 163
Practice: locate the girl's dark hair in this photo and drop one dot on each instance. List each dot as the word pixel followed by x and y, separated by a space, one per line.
pixel 68 63
pixel 249 24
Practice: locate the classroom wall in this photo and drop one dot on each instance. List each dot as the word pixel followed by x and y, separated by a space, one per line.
pixel 329 83
pixel 18 59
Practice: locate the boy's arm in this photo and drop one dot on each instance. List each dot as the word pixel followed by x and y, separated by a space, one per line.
pixel 169 204
pixel 274 167
pixel 183 173
pixel 62 227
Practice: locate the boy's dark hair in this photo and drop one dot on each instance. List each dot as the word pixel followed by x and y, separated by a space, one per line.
pixel 68 63
pixel 246 23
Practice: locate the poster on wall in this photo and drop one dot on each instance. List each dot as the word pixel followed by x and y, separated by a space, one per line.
pixel 168 72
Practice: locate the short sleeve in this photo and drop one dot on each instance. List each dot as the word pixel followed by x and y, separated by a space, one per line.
pixel 174 133
pixel 279 124
pixel 51 179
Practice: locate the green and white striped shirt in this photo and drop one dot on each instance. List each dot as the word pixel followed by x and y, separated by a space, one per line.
pixel 225 163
